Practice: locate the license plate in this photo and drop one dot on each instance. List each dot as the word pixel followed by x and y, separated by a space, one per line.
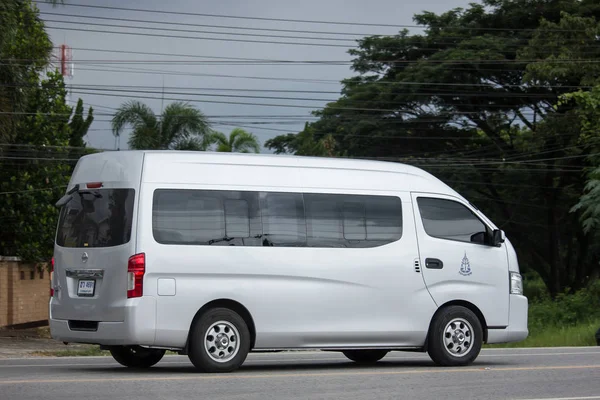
pixel 86 288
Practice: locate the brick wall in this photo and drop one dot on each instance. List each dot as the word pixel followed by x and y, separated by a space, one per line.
pixel 24 292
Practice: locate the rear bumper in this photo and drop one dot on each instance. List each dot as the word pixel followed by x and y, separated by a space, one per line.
pixel 138 328
pixel 516 330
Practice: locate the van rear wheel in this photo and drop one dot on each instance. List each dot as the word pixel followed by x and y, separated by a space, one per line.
pixel 219 341
pixel 136 356
pixel 455 337
pixel 365 356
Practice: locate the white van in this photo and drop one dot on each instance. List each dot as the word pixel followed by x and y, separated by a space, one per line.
pixel 215 255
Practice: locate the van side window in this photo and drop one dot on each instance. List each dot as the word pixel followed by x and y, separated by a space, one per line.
pixel 339 220
pixel 447 219
pixel 323 221
pixel 355 221
pixel 244 218
pixel 283 219
pixel 237 218
pixel 187 217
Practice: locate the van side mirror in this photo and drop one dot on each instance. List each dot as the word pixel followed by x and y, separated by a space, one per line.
pixel 478 238
pixel 498 237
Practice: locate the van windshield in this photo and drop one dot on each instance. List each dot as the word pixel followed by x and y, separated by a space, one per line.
pixel 96 218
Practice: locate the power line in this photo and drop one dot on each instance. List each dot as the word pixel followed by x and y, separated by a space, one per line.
pixel 316 62
pixel 330 81
pixel 182 73
pixel 211 26
pixel 513 43
pixel 437 93
pixel 200 31
pixel 32 190
pixel 575 61
pixel 201 56
pixel 220 39
pixel 356 23
pixel 198 38
pixel 513 40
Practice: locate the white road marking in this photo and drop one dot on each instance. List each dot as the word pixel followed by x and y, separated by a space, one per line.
pixel 566 398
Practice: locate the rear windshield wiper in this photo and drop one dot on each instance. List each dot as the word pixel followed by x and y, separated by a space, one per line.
pixel 67 197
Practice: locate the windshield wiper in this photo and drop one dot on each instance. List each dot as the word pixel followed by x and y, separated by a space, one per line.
pixel 67 197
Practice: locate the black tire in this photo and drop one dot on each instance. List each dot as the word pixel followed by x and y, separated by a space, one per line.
pixel 201 357
pixel 449 354
pixel 136 356
pixel 365 356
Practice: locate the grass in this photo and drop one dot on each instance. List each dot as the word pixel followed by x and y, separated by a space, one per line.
pixel 565 336
pixel 85 352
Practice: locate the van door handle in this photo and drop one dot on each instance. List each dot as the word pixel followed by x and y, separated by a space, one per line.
pixel 433 263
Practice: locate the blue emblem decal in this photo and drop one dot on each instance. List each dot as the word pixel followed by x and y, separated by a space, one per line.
pixel 465 266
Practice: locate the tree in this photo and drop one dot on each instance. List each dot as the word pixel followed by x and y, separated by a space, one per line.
pixel 35 172
pixel 588 207
pixel 473 100
pixel 80 126
pixel 35 129
pixel 179 127
pixel 239 141
pixel 303 144
pixel 22 37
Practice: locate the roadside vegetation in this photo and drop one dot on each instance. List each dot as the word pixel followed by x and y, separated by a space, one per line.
pixel 567 320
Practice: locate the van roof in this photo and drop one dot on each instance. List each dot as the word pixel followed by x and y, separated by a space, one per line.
pixel 280 159
pixel 415 178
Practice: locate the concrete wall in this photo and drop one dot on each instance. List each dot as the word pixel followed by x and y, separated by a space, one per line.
pixel 24 292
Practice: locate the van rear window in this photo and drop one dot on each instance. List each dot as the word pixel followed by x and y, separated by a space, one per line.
pixel 96 218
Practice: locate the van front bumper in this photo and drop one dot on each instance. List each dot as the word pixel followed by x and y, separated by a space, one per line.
pixel 516 330
pixel 138 328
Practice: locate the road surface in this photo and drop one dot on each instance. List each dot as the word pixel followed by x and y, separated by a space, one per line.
pixel 542 373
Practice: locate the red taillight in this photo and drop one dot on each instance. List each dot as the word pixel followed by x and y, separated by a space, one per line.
pixel 52 279
pixel 94 185
pixel 136 267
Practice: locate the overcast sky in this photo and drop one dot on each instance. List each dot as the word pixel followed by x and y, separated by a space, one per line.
pixel 194 78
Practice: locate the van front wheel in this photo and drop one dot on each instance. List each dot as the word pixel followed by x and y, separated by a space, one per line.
pixel 136 356
pixel 455 337
pixel 219 341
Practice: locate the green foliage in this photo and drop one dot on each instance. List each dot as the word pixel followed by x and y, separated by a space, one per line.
pixel 481 108
pixel 588 110
pixel 22 37
pixel 80 125
pixel 239 141
pixel 35 132
pixel 180 126
pixel 570 319
pixel 31 184
pixel 569 49
pixel 303 144
pixel 566 309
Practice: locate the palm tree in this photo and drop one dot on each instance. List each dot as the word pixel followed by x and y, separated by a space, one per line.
pixel 239 141
pixel 179 127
